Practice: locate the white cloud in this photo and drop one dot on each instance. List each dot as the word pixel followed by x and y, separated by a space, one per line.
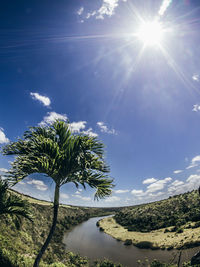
pixel 3 138
pixel 138 193
pixel 195 77
pixel 104 128
pixel 63 195
pixel 158 185
pixel 76 127
pixel 149 181
pixel 121 191
pixel 107 9
pixel 38 184
pixel 90 133
pixel 194 162
pixel 194 179
pixel 51 117
pixel 43 99
pixel 196 108
pixel 80 11
pixel 178 187
pixel 178 171
pixel 112 199
pixel 3 170
pixel 82 198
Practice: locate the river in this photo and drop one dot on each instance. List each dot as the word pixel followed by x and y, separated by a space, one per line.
pixel 86 240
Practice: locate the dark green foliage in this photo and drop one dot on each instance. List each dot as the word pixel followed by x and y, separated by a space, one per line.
pixel 128 242
pixel 12 204
pixel 5 261
pixel 63 156
pixel 106 263
pixel 175 211
pixel 179 230
pixel 144 245
pixel 156 263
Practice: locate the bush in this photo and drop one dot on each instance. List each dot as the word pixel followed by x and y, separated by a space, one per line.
pixel 144 244
pixel 179 230
pixel 128 242
pixel 106 263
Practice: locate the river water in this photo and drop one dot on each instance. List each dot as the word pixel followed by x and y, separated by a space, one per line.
pixel 87 240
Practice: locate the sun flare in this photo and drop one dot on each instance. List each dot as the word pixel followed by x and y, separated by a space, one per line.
pixel 150 33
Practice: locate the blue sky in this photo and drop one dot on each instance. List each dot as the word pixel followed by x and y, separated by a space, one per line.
pixel 86 61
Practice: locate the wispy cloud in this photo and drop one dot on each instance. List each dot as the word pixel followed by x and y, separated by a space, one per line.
pixel 158 185
pixel 90 133
pixel 82 198
pixel 64 196
pixel 194 162
pixel 196 108
pixel 138 193
pixel 76 127
pixel 149 181
pixel 178 187
pixel 104 128
pixel 195 77
pixel 51 117
pixel 80 11
pixel 40 185
pixel 178 171
pixel 3 138
pixel 107 9
pixel 121 191
pixel 112 199
pixel 3 170
pixel 43 99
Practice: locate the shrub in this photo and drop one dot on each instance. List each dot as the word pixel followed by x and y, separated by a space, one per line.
pixel 128 242
pixel 144 244
pixel 179 230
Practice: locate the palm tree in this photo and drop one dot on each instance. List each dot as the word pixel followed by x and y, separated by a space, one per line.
pixel 65 157
pixel 11 203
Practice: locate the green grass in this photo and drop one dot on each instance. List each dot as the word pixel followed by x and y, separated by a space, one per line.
pixel 20 243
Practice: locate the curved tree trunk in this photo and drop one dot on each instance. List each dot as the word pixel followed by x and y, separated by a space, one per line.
pixel 55 215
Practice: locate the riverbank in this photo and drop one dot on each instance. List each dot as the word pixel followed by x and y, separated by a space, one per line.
pixel 154 239
pixel 20 240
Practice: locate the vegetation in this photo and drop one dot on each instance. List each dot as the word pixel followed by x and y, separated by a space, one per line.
pixel 160 214
pixel 174 211
pixel 12 204
pixel 53 150
pixel 20 243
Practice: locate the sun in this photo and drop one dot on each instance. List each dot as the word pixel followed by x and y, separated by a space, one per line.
pixel 151 33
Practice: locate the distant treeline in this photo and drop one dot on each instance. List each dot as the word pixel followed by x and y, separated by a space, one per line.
pixel 174 211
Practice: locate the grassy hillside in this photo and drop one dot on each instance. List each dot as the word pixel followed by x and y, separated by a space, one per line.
pixel 174 211
pixel 21 241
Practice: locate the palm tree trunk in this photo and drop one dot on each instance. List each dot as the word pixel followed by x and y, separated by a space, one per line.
pixel 55 215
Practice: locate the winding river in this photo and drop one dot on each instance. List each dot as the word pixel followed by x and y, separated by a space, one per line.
pixel 87 240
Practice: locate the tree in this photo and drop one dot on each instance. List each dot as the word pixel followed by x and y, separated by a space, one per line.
pixel 12 204
pixel 63 156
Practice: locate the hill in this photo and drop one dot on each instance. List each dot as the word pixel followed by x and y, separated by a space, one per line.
pixel 169 223
pixel 21 240
pixel 174 211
